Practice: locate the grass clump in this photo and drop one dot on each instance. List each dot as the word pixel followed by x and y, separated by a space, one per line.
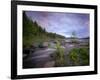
pixel 59 55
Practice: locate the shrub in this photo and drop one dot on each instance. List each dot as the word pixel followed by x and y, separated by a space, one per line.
pixel 74 56
pixel 79 56
pixel 59 55
pixel 84 56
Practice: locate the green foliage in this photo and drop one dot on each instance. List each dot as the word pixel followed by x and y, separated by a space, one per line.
pixel 84 56
pixel 34 33
pixel 79 56
pixel 74 56
pixel 27 30
pixel 59 57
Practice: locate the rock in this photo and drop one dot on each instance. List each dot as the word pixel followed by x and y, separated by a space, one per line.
pixel 50 64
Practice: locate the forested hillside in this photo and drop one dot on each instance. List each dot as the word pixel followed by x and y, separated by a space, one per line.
pixel 34 33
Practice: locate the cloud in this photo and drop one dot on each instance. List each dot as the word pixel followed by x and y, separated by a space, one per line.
pixel 62 23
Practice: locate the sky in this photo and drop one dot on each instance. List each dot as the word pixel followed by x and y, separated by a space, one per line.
pixel 62 23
